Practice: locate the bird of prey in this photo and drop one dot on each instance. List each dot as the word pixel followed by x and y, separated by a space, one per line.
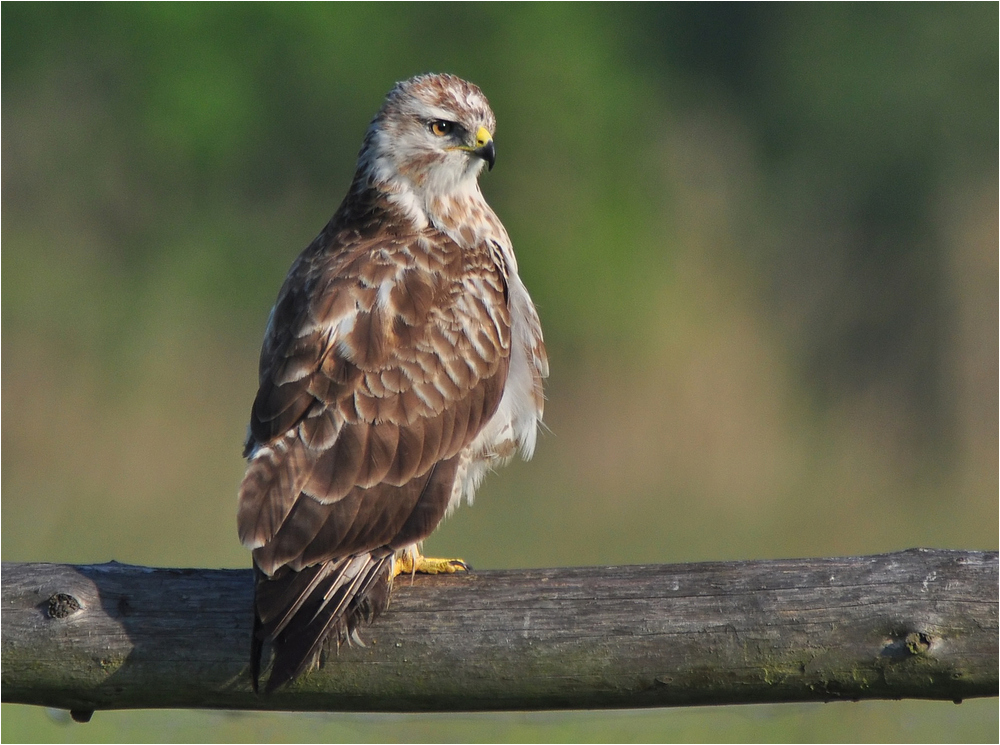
pixel 402 359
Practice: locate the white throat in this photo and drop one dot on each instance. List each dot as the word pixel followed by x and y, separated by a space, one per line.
pixel 447 198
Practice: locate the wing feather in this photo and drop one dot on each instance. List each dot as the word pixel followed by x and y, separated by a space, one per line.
pixel 382 362
pixel 369 383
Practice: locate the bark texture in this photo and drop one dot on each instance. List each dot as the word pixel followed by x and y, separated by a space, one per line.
pixel 913 624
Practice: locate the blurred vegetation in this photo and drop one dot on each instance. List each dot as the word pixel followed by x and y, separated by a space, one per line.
pixel 762 239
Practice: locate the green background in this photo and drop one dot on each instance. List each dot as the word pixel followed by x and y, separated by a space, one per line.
pixel 762 241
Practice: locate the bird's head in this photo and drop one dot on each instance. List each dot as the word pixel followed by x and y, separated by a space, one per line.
pixel 433 134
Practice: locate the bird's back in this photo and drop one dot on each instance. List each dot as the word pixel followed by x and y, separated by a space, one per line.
pixel 402 359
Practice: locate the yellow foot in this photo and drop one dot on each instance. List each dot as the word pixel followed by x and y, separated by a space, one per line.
pixel 411 562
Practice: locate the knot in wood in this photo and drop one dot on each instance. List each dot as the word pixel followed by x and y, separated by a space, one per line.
pixel 904 645
pixel 917 642
pixel 62 605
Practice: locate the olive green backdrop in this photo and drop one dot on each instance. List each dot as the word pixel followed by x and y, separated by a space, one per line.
pixel 762 240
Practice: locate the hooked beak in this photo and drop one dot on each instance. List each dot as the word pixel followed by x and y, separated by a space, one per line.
pixel 484 147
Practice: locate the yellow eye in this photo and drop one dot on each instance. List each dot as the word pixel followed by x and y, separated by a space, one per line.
pixel 442 128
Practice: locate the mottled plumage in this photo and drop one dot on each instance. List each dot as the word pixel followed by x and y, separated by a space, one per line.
pixel 403 358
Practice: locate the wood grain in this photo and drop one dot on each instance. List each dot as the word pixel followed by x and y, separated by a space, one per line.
pixel 913 624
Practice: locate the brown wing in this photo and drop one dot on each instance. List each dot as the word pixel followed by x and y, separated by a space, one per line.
pixel 383 357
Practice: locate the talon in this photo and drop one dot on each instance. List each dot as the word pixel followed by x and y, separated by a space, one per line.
pixel 411 562
pixel 441 566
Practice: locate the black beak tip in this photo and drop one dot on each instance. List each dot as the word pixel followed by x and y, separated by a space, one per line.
pixel 488 153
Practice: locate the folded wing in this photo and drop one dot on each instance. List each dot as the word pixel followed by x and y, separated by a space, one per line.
pixel 383 359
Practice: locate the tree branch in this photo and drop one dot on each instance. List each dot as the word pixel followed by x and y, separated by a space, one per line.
pixel 914 624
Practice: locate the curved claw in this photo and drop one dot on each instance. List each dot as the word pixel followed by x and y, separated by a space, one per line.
pixel 411 563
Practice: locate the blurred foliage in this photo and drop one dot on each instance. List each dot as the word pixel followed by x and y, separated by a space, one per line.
pixel 762 239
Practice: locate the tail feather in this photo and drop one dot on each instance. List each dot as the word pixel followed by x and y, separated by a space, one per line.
pixel 298 611
pixel 277 609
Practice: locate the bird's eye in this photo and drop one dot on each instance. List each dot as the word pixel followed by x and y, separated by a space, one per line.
pixel 442 128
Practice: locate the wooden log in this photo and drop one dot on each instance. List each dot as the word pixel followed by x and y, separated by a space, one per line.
pixel 914 624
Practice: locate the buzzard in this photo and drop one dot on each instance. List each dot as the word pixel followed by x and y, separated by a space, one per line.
pixel 402 359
